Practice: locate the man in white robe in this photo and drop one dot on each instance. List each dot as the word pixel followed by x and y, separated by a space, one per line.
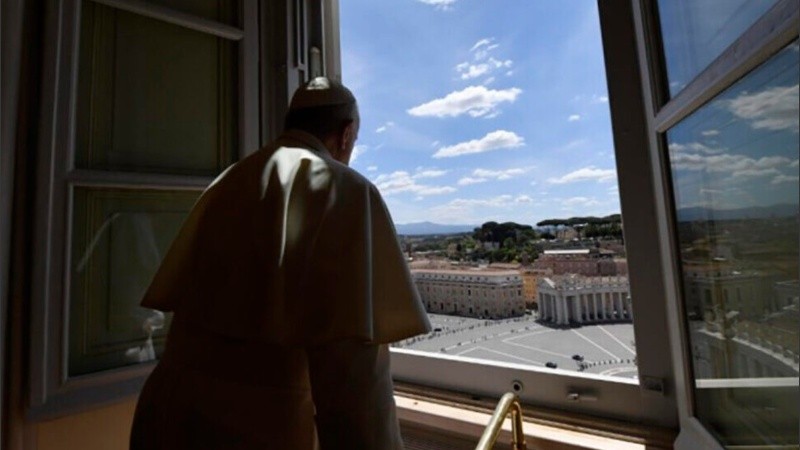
pixel 287 283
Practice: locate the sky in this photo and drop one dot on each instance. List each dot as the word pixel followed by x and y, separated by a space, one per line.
pixel 741 149
pixel 475 110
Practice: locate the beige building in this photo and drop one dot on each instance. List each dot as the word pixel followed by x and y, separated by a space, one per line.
pixel 530 281
pixel 575 299
pixel 584 261
pixel 471 293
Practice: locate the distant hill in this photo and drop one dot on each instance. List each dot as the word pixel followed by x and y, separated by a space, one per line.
pixel 418 228
pixel 755 212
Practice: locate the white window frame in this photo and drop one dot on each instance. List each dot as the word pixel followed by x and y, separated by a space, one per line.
pixel 51 391
pixel 771 32
pixel 663 396
pixel 650 401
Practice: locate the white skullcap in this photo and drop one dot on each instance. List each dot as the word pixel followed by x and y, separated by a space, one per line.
pixel 321 91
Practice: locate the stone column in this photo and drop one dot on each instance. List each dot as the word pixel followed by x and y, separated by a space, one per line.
pixel 602 299
pixel 555 313
pixel 585 304
pixel 565 306
pixel 546 305
pixel 579 308
pixel 540 301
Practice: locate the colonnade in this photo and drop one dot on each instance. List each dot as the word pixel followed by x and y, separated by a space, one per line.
pixel 588 307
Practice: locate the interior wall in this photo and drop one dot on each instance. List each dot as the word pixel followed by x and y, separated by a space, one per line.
pixel 105 428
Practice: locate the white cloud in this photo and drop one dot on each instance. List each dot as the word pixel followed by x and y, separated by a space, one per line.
pixel 579 201
pixel 358 150
pixel 469 71
pixel 439 4
pixel 498 174
pixel 476 101
pixel 755 173
pixel 708 133
pixel 483 175
pixel 434 143
pixel 372 168
pixel 496 140
pixel 523 199
pixel 795 163
pixel 774 109
pixel 695 147
pixel 384 127
pixel 737 165
pixel 402 181
pixel 472 71
pixel 481 43
pixel 589 173
pixel 574 118
pixel 599 98
pixel 465 181
pixel 465 210
pixel 785 179
pixel 429 173
pixel 483 64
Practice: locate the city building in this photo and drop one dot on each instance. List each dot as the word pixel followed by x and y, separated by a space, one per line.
pixel 721 288
pixel 582 261
pixel 575 299
pixel 471 293
pixel 530 281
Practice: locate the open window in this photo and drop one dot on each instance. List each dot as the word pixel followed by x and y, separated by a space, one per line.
pixel 721 89
pixel 509 120
pixel 147 102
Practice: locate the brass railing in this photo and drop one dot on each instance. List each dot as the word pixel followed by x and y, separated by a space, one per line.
pixel 509 402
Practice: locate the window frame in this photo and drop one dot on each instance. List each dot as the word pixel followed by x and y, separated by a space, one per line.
pixel 651 401
pixel 51 391
pixel 771 32
pixel 641 113
pixel 6 190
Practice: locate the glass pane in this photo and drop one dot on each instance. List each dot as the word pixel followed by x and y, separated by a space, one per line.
pixel 118 240
pixel 224 11
pixel 491 144
pixel 695 32
pixel 735 174
pixel 153 97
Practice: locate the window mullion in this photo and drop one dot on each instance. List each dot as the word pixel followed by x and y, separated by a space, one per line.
pixel 176 18
pixel 100 178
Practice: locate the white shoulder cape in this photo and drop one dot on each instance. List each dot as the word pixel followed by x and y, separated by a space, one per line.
pixel 290 246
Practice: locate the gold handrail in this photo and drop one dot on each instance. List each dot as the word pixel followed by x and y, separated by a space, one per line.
pixel 508 402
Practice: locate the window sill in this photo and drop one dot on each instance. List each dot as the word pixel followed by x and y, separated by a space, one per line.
pixel 458 424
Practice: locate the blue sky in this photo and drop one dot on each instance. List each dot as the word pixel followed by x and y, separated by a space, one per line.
pixel 477 110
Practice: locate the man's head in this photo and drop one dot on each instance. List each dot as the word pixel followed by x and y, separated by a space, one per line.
pixel 328 110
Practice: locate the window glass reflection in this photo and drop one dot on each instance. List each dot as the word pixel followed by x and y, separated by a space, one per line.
pixel 118 240
pixel 735 174
pixel 153 96
pixel 697 31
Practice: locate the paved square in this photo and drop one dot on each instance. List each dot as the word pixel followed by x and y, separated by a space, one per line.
pixel 607 349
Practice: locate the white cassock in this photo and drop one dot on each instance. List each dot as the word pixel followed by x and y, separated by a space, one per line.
pixel 286 252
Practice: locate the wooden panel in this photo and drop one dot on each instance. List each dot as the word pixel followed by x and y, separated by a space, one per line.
pixel 119 238
pixel 223 11
pixel 153 97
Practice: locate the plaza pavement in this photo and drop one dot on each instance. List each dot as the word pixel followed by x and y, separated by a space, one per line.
pixel 608 349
